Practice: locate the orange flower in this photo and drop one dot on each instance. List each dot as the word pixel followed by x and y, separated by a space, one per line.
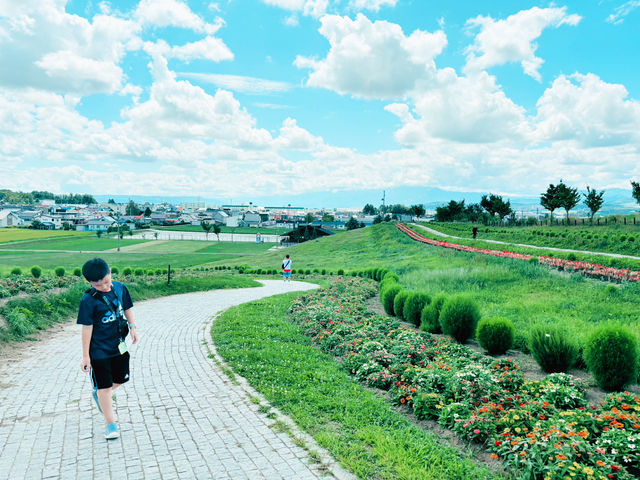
pixel 561 457
pixel 583 434
pixel 625 407
pixel 600 463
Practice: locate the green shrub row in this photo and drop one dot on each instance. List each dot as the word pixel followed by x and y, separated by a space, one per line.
pixel 611 353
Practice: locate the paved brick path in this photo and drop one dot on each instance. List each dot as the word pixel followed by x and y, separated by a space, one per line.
pixel 180 416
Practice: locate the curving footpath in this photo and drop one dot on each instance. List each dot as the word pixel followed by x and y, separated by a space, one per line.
pixel 180 416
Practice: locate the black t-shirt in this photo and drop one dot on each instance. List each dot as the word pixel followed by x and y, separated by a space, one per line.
pixel 94 311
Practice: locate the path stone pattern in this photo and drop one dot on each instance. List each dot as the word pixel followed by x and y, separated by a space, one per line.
pixel 180 416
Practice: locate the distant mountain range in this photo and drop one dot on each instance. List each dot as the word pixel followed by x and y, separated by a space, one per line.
pixel 616 200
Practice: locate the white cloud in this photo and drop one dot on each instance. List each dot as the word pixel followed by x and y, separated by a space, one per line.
pixel 50 49
pixel 460 109
pixel 512 40
pixel 372 60
pixel 251 85
pixel 374 5
pixel 586 110
pixel 292 137
pixel 619 14
pixel 209 48
pixel 174 13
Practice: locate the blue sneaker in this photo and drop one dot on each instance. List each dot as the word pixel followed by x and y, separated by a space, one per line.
pixel 94 394
pixel 111 431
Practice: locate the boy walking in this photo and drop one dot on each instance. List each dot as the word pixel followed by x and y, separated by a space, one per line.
pixel 286 269
pixel 106 317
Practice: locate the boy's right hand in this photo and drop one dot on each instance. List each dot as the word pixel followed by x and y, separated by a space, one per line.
pixel 86 365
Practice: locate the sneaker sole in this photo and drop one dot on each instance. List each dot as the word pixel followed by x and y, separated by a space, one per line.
pixel 112 435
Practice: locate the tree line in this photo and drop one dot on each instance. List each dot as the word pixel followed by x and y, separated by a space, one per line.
pixel 36 196
pixel 494 206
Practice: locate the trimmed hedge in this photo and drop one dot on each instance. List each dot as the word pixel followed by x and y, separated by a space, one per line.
pixel 552 348
pixel 388 296
pixel 611 354
pixel 495 334
pixel 459 317
pixel 398 303
pixel 413 306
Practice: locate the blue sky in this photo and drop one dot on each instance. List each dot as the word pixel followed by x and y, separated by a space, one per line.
pixel 239 99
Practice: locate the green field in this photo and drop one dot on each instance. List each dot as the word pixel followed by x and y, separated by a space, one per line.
pixel 73 252
pixel 21 234
pixel 523 292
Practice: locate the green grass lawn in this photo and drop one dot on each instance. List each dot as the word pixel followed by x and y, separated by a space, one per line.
pixel 84 243
pixel 21 234
pixel 362 431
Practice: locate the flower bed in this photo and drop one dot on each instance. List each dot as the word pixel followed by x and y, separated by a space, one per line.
pixel 15 284
pixel 589 269
pixel 542 429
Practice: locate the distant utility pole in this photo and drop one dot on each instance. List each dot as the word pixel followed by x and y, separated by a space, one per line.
pixel 384 196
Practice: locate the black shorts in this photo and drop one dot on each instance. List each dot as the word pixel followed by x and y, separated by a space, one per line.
pixel 107 371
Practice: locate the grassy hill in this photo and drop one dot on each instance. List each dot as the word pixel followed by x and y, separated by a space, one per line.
pixel 523 292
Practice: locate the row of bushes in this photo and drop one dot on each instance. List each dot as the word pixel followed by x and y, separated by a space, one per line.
pixel 611 352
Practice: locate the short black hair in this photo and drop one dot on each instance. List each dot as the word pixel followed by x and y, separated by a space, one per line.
pixel 95 269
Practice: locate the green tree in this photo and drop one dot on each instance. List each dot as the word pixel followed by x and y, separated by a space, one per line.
pixel 99 233
pixel 635 192
pixel 147 212
pixel 66 226
pixel 327 218
pixel 36 225
pixel 494 204
pixel 309 218
pixel 453 211
pixel 352 224
pixel 593 200
pixel 549 199
pixel 132 208
pixel 567 197
pixel 418 210
pixel 217 230
pixel 369 209
pixel 378 219
pixel 206 227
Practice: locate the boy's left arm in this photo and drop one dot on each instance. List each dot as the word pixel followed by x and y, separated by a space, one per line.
pixel 133 331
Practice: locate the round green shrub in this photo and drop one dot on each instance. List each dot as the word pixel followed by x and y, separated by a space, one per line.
pixel 138 272
pixel 115 270
pixel 571 257
pixel 534 260
pixel 413 306
pixel 459 317
pixel 324 271
pixel 388 296
pixel 16 271
pixel 77 272
pixel 398 303
pixel 429 319
pixel 158 271
pixel 496 334
pixel 611 354
pixel 387 281
pixel 307 272
pixel 390 275
pixel 341 271
pixel 552 347
pixel 59 271
pixel 127 271
pixel 36 271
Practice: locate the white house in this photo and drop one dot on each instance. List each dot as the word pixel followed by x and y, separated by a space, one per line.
pixel 8 218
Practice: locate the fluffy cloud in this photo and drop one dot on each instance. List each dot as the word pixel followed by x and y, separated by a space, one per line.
pixel 460 109
pixel 52 50
pixel 209 48
pixel 372 59
pixel 584 109
pixel 173 13
pixel 512 39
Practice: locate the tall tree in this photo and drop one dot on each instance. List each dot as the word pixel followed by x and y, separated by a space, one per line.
pixel 309 218
pixel 147 212
pixel 132 208
pixel 494 204
pixel 635 192
pixel 567 197
pixel 352 224
pixel 217 230
pixel 206 227
pixel 369 209
pixel 593 200
pixel 549 199
pixel 418 210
